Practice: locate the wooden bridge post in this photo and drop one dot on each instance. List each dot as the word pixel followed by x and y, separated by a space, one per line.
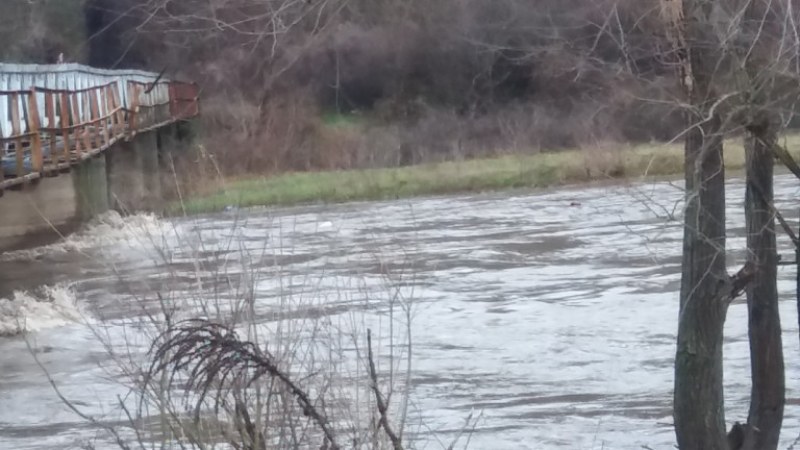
pixel 120 113
pixel 195 110
pixel 173 104
pixel 76 124
pixel 133 97
pixel 34 123
pixel 111 115
pixel 65 130
pixel 50 113
pixel 85 124
pixel 94 116
pixel 16 130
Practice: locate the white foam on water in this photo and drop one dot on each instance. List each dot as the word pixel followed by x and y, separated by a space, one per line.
pixel 109 229
pixel 51 307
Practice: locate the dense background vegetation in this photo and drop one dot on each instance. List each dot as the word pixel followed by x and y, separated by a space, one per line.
pixel 295 85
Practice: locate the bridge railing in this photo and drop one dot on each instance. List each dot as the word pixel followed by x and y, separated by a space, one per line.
pixel 64 117
pixel 155 105
pixel 50 129
pixel 18 133
pixel 75 125
pixel 150 105
pixel 184 99
pixel 71 77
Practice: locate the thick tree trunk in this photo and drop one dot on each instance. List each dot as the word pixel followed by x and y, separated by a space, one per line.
pixel 766 349
pixel 699 404
pixel 699 410
pixel 761 30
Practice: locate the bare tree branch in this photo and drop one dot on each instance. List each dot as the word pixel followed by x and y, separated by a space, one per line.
pixel 382 406
pixel 211 352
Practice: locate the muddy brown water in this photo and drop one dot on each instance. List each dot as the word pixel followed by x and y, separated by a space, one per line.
pixel 552 315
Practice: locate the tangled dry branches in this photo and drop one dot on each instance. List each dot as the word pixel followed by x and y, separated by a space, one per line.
pixel 209 354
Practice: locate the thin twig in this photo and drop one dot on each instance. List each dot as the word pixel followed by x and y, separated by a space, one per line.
pixel 382 407
pixel 468 429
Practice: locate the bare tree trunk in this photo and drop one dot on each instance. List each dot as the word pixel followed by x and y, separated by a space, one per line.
pixel 699 404
pixel 761 35
pixel 766 349
pixel 699 410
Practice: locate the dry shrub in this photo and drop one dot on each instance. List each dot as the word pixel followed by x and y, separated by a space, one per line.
pixel 352 146
pixel 454 79
pixel 530 127
pixel 193 170
pixel 604 159
pixel 333 147
pixel 248 138
pixel 382 146
pixel 286 124
pixel 536 127
pixel 288 132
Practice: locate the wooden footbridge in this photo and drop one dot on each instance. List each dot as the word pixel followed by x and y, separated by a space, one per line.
pixel 53 117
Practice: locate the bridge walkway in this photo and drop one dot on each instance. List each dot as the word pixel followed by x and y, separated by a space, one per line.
pixel 53 117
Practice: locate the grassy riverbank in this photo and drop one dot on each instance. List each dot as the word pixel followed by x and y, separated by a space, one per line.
pixel 485 174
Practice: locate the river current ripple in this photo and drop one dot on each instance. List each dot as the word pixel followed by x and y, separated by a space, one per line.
pixel 550 315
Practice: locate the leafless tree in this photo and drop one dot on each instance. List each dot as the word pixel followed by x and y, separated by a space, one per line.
pixel 735 62
pixel 706 290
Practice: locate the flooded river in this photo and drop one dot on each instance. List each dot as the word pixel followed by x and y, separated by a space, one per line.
pixel 551 316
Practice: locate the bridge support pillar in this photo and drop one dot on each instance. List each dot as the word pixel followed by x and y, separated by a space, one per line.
pixel 168 143
pixel 169 146
pixel 133 175
pixel 38 214
pixel 126 182
pixel 42 212
pixel 147 147
pixel 91 187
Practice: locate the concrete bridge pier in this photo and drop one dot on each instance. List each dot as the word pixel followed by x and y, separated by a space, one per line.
pixel 126 178
pixel 169 146
pixel 91 188
pixel 147 146
pixel 134 174
pixel 42 212
pixel 125 171
pixel 125 175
